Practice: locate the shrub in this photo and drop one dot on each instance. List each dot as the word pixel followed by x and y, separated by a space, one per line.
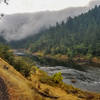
pixel 6 54
pixel 54 80
pixel 22 66
pixel 57 77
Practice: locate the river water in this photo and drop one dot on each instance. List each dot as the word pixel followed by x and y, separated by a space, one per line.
pixel 88 80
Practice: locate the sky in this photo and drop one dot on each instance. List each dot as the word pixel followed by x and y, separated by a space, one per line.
pixel 22 6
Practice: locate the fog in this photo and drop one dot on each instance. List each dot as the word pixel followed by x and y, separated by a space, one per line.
pixel 19 26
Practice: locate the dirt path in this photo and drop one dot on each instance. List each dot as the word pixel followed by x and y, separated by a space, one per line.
pixel 3 90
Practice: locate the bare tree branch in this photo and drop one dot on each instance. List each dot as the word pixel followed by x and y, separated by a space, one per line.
pixel 5 1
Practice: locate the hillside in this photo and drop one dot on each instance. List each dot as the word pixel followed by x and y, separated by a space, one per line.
pixel 16 86
pixel 13 86
pixel 31 23
pixel 78 36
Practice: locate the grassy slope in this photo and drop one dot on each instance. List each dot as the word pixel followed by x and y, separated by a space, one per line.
pixel 17 85
pixel 19 88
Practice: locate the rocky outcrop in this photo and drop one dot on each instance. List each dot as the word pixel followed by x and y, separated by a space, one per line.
pixel 3 90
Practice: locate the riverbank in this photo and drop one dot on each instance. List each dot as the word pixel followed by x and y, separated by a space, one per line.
pixel 78 62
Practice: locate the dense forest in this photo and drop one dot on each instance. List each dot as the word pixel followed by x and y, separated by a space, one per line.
pixel 79 35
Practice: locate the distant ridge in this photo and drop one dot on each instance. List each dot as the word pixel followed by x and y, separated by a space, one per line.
pixel 19 26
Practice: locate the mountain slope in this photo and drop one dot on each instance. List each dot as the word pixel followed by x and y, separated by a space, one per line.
pixel 13 86
pixel 19 26
pixel 79 35
pixel 17 85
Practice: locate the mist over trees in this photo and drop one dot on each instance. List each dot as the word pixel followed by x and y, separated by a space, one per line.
pixel 20 26
pixel 6 2
pixel 78 36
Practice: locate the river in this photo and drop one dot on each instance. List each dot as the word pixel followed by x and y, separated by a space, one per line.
pixel 88 80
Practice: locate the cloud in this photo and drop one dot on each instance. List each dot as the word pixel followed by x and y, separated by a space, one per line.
pixel 19 26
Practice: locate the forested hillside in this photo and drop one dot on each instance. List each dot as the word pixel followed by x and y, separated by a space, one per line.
pixel 79 35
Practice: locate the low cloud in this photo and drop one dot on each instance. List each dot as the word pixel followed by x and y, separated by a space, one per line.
pixel 19 26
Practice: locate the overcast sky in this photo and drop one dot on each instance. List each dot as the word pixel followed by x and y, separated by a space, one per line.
pixel 20 6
